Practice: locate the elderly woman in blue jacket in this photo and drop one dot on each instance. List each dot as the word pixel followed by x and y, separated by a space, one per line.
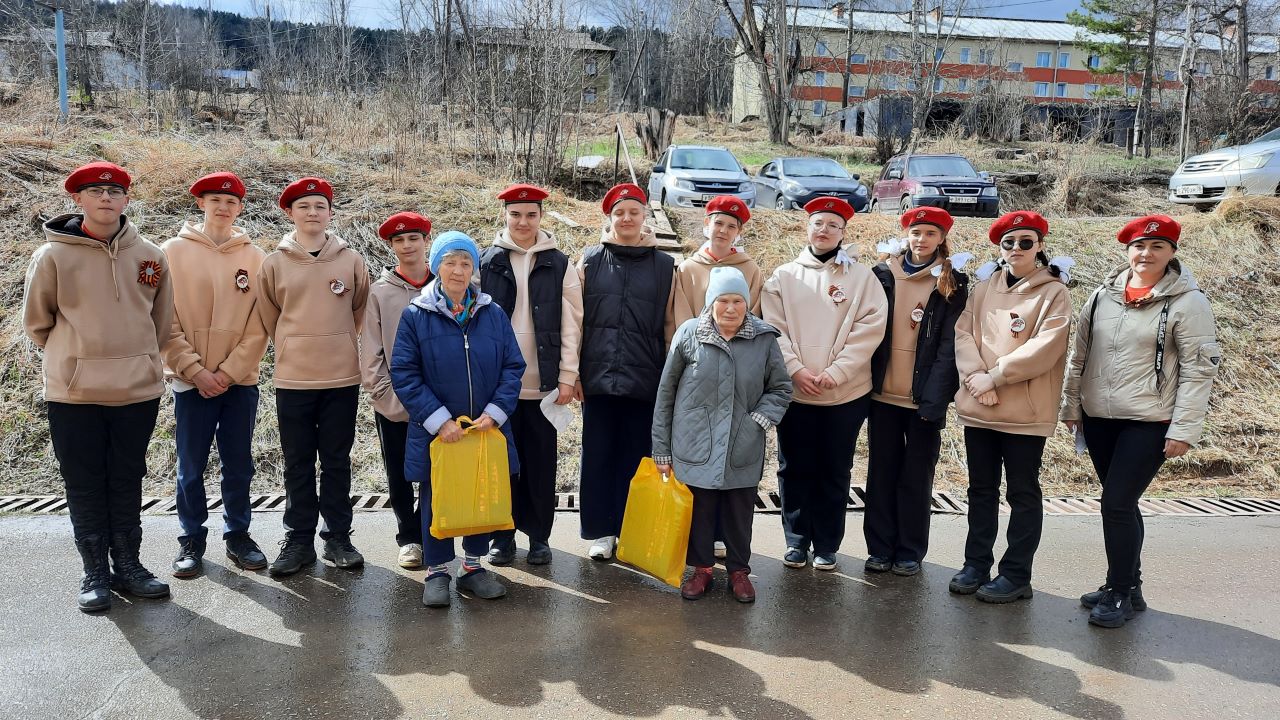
pixel 455 354
pixel 724 385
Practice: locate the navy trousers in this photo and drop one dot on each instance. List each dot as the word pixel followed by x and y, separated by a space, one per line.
pixel 227 419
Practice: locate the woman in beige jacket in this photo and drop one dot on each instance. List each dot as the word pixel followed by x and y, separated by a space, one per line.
pixel 1138 388
pixel 831 313
pixel 1011 348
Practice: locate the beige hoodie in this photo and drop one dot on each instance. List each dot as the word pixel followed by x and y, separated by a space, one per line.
pixel 909 293
pixel 215 321
pixel 87 304
pixel 694 275
pixel 388 297
pixel 1119 343
pixel 522 315
pixel 647 239
pixel 1018 335
pixel 821 334
pixel 312 307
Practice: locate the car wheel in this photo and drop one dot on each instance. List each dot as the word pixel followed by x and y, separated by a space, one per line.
pixel 875 208
pixel 663 199
pixel 781 203
pixel 1205 207
pixel 905 207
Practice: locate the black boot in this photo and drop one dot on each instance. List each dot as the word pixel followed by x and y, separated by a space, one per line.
pixel 95 587
pixel 190 559
pixel 127 572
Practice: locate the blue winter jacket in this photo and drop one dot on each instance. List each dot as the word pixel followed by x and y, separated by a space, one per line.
pixel 441 370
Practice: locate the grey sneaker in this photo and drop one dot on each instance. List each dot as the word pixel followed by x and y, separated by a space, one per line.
pixel 824 561
pixel 481 583
pixel 339 551
pixel 435 593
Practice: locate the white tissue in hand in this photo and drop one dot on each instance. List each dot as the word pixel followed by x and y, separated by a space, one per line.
pixel 558 415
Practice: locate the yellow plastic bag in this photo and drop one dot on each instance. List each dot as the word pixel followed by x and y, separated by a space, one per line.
pixel 655 526
pixel 470 484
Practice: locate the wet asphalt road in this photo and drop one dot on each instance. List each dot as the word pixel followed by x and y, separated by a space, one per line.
pixel 582 639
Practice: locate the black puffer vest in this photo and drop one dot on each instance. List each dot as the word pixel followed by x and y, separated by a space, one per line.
pixel 546 279
pixel 624 297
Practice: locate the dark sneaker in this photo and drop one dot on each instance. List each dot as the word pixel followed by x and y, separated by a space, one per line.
pixel 1112 610
pixel 127 571
pixel 906 568
pixel 968 580
pixel 824 561
pixel 795 558
pixel 244 552
pixel 295 553
pixel 502 552
pixel 1090 599
pixel 1003 590
pixel 877 564
pixel 435 592
pixel 481 583
pixel 697 585
pixel 190 559
pixel 740 585
pixel 539 553
pixel 339 551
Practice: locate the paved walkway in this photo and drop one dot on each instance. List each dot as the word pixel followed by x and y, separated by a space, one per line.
pixel 581 639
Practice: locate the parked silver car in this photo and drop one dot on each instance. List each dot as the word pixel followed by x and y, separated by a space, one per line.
pixel 691 175
pixel 1249 169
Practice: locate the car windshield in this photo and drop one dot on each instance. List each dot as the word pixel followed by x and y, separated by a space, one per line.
pixel 1269 137
pixel 940 167
pixel 703 160
pixel 814 167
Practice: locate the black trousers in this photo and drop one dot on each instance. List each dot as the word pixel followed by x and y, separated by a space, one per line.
pixel 102 456
pixel 1127 454
pixel 904 452
pixel 392 436
pixel 317 424
pixel 533 489
pixel 815 454
pixel 987 451
pixel 733 510
pixel 616 434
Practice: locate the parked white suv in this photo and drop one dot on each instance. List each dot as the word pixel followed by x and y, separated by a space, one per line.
pixel 690 175
pixel 1250 169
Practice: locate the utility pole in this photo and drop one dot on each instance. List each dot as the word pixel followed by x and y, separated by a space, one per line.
pixel 848 53
pixel 59 33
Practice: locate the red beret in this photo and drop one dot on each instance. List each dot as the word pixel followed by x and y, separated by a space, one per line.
pixel 625 191
pixel 97 173
pixel 222 182
pixel 404 222
pixel 522 194
pixel 304 187
pixel 1153 227
pixel 830 205
pixel 729 205
pixel 927 216
pixel 1018 220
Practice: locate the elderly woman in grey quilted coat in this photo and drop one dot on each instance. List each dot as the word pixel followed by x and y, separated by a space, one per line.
pixel 724 385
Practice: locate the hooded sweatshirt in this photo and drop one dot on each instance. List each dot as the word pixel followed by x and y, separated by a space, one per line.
pixel 522 315
pixel 312 308
pixel 832 318
pixel 694 274
pixel 1112 371
pixel 910 292
pixel 92 306
pixel 388 297
pixel 216 325
pixel 1018 335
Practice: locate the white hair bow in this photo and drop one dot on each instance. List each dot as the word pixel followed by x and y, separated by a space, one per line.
pixel 958 261
pixel 843 260
pixel 986 270
pixel 1064 265
pixel 892 246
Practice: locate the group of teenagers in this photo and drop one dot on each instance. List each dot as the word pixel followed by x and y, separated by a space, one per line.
pixel 690 363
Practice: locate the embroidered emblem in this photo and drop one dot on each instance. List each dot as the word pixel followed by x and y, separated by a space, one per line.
pixel 337 287
pixel 829 205
pixel 242 280
pixel 917 315
pixel 105 176
pixel 226 185
pixel 1152 227
pixel 400 226
pixel 149 273
pixel 920 215
pixel 1017 220
pixel 1016 324
pixel 733 207
pixel 311 186
pixel 837 294
pixel 624 191
pixel 524 194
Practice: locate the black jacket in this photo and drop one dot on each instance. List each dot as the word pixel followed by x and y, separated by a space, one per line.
pixel 935 381
pixel 624 304
pixel 546 286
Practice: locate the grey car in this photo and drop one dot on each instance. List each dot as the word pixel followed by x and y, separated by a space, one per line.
pixel 1249 169
pixel 691 175
pixel 788 183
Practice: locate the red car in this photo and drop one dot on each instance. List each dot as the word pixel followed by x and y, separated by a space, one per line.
pixel 945 181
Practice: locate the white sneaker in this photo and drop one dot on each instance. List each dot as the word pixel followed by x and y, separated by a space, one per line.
pixel 721 552
pixel 602 549
pixel 411 556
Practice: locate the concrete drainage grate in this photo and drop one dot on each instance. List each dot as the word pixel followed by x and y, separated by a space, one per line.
pixel 766 502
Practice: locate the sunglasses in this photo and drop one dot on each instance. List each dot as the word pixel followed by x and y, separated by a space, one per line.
pixel 1023 244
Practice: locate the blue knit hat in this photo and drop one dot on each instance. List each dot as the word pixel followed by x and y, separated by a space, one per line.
pixel 449 241
pixel 726 281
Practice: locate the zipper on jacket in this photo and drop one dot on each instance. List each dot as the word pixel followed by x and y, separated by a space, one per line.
pixel 471 398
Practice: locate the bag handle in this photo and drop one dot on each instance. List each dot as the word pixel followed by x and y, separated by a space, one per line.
pixel 466 423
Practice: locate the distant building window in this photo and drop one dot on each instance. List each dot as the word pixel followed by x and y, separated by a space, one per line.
pixel 912 85
pixel 1042 59
pixel 1064 59
pixel 1042 89
pixel 821 49
pixel 1090 90
pixel 857 91
pixel 1060 90
pixel 891 53
pixel 819 108
pixel 1014 66
pixel 964 56
pixel 1170 75
pixel 858 59
pixel 1202 68
pixel 938 54
pixel 509 62
pixel 820 78
pixel 1131 92
pixel 982 84
pixel 589 67
pixel 891 83
pixel 1270 72
pixel 986 57
pixel 589 96
pixel 962 85
pixel 1094 62
pixel 939 85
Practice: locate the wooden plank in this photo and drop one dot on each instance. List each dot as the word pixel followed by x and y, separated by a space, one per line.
pixel 563 219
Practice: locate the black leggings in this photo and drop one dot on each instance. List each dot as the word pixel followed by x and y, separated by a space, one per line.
pixel 1127 454
pixel 987 452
